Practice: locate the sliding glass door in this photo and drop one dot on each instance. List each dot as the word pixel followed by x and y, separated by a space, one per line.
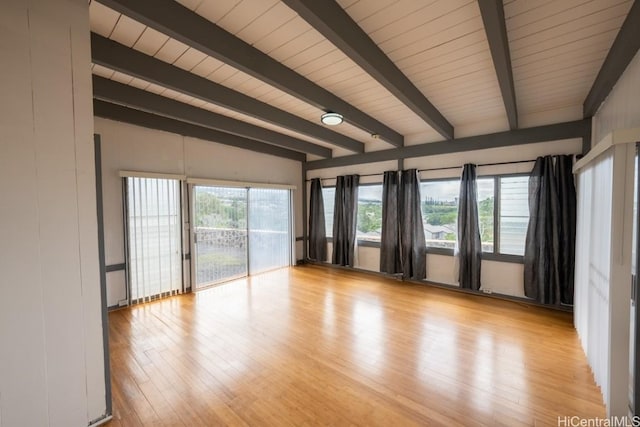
pixel 239 231
pixel 220 234
pixel 269 229
pixel 154 237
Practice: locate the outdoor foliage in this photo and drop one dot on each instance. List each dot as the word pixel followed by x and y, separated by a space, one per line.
pixel 214 212
pixel 369 217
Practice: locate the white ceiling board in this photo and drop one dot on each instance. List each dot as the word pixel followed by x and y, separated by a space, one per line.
pixel 557 49
pixel 190 59
pixel 292 48
pixel 283 34
pixel 214 10
pixel 139 83
pixel 544 13
pixel 171 51
pixel 423 24
pixel 388 13
pixel 365 8
pixel 244 13
pixel 154 88
pixel 150 41
pixel 127 31
pixel 299 59
pixel 544 40
pixel 463 46
pixel 101 71
pixel 103 20
pixel 197 102
pixel 171 94
pixel 266 23
pixel 121 78
pixel 207 66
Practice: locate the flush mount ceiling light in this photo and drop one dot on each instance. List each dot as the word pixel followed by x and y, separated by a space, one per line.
pixel 331 119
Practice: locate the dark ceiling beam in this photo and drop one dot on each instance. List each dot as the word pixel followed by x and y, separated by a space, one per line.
pixel 132 116
pixel 624 48
pixel 115 56
pixel 118 93
pixel 180 23
pixel 330 20
pixel 492 12
pixel 555 132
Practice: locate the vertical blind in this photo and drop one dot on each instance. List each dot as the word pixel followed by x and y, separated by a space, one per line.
pixel 593 243
pixel 153 237
pixel 269 229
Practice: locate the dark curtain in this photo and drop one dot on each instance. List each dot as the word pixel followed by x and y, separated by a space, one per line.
pixel 549 255
pixel 469 243
pixel 413 246
pixel 344 220
pixel 317 230
pixel 390 261
pixel 567 234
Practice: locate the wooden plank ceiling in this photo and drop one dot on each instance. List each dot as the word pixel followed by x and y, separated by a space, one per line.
pixel 556 51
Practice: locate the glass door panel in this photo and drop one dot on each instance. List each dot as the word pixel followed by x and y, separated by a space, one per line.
pixel 269 229
pixel 220 234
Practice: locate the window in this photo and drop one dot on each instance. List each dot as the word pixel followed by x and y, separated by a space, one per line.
pixel 511 214
pixel 329 199
pixel 503 213
pixel 439 200
pixel 514 214
pixel 486 203
pixel 369 221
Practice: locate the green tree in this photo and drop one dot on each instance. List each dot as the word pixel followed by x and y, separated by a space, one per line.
pixel 369 217
pixel 485 214
pixel 207 206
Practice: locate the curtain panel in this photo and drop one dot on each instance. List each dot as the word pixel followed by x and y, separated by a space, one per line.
pixel 317 227
pixel 549 257
pixel 344 220
pixel 390 255
pixel 469 243
pixel 413 245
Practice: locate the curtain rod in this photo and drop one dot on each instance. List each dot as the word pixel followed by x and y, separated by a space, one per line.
pixel 447 168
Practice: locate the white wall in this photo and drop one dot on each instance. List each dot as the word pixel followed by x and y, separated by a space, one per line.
pixel 497 277
pixel 128 147
pixel 52 370
pixel 621 109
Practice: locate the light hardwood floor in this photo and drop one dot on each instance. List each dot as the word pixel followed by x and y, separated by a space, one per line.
pixel 316 346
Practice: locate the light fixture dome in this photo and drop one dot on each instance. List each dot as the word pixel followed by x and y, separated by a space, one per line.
pixel 331 119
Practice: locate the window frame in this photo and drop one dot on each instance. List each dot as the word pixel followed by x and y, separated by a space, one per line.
pixel 432 249
pixel 361 242
pixel 368 242
pixel 489 256
pixel 496 255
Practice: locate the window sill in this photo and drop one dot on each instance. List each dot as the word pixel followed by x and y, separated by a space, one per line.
pixel 487 256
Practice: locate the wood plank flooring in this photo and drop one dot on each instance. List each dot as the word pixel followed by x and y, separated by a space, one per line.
pixel 312 345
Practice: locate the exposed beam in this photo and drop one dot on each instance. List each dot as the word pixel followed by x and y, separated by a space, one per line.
pixel 111 91
pixel 575 129
pixel 121 58
pixel 624 48
pixel 330 20
pixel 180 23
pixel 492 12
pixel 141 118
